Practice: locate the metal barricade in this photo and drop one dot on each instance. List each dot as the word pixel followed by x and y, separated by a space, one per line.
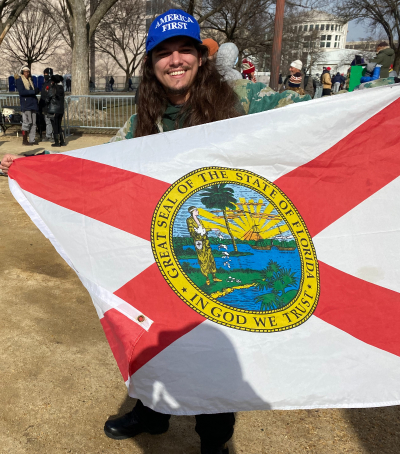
pixel 88 111
pixel 98 112
pixel 7 99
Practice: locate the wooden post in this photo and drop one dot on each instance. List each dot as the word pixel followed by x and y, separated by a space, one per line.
pixel 277 44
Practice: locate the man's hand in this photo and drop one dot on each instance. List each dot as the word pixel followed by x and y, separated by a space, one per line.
pixel 7 161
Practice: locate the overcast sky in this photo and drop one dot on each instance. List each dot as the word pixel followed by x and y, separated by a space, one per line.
pixel 356 31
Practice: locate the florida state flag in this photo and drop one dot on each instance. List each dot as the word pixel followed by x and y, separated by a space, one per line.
pixel 246 264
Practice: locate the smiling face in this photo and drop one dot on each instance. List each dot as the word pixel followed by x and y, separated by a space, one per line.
pixel 27 73
pixel 175 63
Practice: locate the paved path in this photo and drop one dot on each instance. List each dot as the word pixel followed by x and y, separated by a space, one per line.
pixel 59 381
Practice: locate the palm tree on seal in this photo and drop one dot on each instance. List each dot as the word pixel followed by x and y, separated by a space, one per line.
pixel 221 197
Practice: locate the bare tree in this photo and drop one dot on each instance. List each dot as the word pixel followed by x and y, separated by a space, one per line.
pixel 32 38
pixel 299 45
pixel 383 14
pixel 77 23
pixel 106 65
pixel 12 66
pixel 64 61
pixel 122 35
pixel 58 13
pixel 10 10
pixel 247 23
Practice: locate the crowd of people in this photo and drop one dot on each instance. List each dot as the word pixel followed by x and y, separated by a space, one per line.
pixel 186 81
pixel 49 111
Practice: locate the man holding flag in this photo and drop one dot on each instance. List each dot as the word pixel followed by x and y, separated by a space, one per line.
pixel 179 81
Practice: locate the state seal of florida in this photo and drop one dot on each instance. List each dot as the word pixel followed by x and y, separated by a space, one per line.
pixel 234 248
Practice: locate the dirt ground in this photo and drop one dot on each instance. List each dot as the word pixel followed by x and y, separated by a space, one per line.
pixel 60 382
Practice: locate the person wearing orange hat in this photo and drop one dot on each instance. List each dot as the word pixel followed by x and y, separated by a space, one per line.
pixel 212 48
pixel 249 70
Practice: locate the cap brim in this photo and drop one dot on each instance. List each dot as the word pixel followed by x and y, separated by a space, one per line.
pixel 172 34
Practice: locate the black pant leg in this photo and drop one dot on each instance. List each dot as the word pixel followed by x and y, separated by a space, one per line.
pixel 60 117
pixel 54 125
pixel 151 420
pixel 215 429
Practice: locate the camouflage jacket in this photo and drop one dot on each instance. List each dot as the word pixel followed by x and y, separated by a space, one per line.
pixel 254 97
pixel 376 83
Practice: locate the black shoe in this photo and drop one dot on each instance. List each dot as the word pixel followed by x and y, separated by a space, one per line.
pixel 222 449
pixel 56 141
pixel 129 426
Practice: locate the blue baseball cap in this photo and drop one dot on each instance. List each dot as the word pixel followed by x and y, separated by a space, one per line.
pixel 174 22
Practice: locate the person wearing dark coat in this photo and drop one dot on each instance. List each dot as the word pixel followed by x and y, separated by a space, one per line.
pixel 48 72
pixel 55 108
pixel 29 105
pixel 112 83
pixel 336 81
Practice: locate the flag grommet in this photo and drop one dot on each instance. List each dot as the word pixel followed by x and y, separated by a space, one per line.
pixel 141 318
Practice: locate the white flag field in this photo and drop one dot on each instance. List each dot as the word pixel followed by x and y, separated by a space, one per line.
pixel 251 263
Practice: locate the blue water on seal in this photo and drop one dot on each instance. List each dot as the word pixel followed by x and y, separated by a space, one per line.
pixel 245 298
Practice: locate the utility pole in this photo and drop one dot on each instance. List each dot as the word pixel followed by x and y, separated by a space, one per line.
pixel 277 44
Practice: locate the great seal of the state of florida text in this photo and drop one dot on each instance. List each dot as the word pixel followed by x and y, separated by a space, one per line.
pixel 234 248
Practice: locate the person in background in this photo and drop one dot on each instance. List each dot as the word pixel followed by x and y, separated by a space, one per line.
pixel 317 86
pixel 227 58
pixel 392 72
pixel 294 83
pixel 326 82
pixel 336 81
pixel 212 48
pixel 91 85
pixel 249 70
pixel 295 67
pixel 347 84
pixel 55 108
pixel 130 88
pixel 47 73
pixel 342 81
pixel 112 83
pixel 29 106
pixel 68 83
pixel 384 57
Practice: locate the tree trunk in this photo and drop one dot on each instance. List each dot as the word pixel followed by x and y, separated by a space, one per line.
pixel 93 59
pixel 127 76
pixel 80 51
pixel 229 231
pixel 93 5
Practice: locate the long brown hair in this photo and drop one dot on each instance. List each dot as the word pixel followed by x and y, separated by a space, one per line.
pixel 210 99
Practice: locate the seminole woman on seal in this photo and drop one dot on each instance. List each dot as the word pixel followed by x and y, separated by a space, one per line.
pixel 202 245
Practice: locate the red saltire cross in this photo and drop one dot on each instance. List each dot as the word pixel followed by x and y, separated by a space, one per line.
pixel 323 190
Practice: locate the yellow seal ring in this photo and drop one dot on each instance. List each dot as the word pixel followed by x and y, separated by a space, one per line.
pixel 292 314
